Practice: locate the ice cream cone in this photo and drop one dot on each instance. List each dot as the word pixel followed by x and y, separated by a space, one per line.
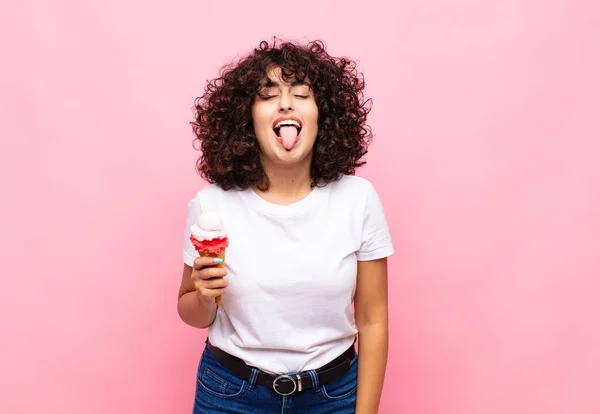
pixel 222 264
pixel 210 239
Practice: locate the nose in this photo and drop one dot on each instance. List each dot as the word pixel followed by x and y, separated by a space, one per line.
pixel 285 103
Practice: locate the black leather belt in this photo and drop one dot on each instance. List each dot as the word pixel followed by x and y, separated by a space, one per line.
pixel 285 384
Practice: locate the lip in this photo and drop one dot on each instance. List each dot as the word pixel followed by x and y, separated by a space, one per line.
pixel 287 118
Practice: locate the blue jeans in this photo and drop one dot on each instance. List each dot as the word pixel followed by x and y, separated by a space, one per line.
pixel 219 391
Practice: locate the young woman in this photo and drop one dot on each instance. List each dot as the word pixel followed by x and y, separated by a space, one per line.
pixel 281 133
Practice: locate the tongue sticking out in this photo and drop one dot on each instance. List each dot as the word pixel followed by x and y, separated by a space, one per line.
pixel 288 136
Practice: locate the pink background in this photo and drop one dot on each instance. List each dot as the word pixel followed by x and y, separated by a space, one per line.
pixel 486 158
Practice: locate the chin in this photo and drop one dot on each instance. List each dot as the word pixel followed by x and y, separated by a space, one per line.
pixel 297 154
pixel 275 152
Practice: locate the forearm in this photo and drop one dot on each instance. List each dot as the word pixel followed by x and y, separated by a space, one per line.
pixel 372 361
pixel 195 311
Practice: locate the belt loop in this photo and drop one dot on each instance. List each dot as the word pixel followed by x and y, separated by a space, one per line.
pixel 252 380
pixel 315 380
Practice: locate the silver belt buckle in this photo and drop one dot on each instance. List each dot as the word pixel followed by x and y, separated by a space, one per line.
pixel 287 377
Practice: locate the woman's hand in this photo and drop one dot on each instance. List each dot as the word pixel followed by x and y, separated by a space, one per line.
pixel 209 278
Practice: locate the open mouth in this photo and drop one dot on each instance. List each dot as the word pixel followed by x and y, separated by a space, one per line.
pixel 287 124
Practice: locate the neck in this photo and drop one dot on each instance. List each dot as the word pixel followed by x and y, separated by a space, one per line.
pixel 287 184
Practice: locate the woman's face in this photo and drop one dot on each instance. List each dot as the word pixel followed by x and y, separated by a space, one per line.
pixel 285 117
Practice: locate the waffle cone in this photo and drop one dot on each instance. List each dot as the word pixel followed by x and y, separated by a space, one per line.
pixel 220 256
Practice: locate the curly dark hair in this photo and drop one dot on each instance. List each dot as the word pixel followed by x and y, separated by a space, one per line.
pixel 230 155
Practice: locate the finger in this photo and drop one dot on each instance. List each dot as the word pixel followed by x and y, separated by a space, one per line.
pixel 218 283
pixel 209 273
pixel 210 283
pixel 201 262
pixel 212 293
pixel 207 287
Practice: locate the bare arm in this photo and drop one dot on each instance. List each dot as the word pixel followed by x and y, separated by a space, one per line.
pixel 199 287
pixel 371 309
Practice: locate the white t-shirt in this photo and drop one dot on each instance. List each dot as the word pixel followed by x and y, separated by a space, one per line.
pixel 292 271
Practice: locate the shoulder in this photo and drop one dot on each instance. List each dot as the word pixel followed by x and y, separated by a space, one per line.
pixel 352 186
pixel 211 191
pixel 212 196
pixel 359 194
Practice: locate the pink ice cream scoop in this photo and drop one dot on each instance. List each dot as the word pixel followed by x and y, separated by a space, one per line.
pixel 210 239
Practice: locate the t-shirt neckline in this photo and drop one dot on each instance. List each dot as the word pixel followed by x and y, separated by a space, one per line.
pixel 301 206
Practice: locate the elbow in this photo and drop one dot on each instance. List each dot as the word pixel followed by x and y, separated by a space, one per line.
pixel 181 312
pixel 374 325
pixel 372 321
pixel 191 315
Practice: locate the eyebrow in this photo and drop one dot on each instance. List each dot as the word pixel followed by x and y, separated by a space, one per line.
pixel 270 83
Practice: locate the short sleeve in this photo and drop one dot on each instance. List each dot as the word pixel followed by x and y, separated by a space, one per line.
pixel 193 212
pixel 376 240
